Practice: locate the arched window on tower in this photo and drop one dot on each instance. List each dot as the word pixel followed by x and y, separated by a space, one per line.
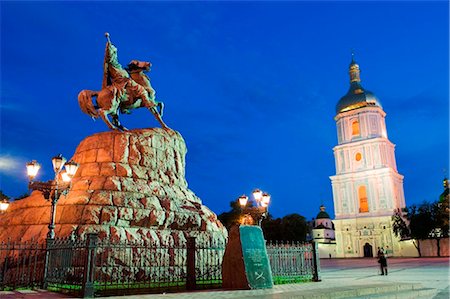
pixel 355 128
pixel 363 204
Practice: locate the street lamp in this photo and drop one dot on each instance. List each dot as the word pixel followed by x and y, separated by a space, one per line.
pixel 32 169
pixel 4 204
pixel 257 211
pixel 53 189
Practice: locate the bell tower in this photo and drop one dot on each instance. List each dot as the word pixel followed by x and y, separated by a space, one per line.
pixel 367 187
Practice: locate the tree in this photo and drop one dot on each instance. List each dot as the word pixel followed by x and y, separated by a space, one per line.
pixel 292 227
pixel 271 228
pixel 443 210
pixel 441 214
pixel 422 222
pixel 232 217
pixel 235 215
pixel 402 226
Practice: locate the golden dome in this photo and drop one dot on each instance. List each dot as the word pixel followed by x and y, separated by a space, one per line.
pixel 357 96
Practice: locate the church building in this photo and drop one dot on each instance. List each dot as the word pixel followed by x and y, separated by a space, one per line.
pixel 367 187
pixel 323 234
pixel 323 228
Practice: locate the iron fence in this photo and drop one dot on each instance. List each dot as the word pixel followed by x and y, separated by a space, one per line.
pixel 92 267
pixel 21 264
pixel 89 267
pixel 66 264
pixel 293 262
pixel 142 268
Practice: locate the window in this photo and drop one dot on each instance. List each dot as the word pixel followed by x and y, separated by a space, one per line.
pixel 358 157
pixel 363 204
pixel 355 127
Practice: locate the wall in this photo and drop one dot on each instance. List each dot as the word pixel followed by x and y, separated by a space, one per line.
pixel 326 249
pixel 407 249
pixel 429 247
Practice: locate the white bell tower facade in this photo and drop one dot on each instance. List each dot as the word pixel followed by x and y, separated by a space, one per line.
pixel 367 187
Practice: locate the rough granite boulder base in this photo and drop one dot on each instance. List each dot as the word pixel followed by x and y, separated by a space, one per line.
pixel 130 186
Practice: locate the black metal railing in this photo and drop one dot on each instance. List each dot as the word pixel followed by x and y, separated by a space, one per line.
pixel 92 267
pixel 293 262
pixel 21 264
pixel 88 267
pixel 67 260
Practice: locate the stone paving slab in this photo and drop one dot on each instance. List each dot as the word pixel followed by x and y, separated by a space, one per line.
pixel 300 291
pixel 350 278
pixel 31 294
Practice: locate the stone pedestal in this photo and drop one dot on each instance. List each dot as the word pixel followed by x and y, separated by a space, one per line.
pixel 233 268
pixel 245 263
pixel 129 186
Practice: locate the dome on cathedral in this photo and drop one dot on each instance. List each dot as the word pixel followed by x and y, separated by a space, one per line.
pixel 357 96
pixel 322 214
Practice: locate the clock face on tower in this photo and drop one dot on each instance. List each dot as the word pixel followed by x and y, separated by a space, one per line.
pixel 358 157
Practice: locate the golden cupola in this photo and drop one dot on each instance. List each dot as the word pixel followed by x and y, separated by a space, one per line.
pixel 357 96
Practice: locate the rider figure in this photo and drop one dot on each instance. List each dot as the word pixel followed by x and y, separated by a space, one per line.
pixel 118 77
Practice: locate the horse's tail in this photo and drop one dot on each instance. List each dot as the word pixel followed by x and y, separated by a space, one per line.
pixel 85 102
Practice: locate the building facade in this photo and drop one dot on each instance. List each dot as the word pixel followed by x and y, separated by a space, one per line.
pixel 367 187
pixel 323 227
pixel 323 234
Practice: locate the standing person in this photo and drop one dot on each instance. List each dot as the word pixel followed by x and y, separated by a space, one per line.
pixel 382 261
pixel 379 253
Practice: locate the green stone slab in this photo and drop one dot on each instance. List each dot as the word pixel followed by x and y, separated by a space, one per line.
pixel 256 262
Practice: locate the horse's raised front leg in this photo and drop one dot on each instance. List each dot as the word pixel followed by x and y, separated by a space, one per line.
pixel 149 102
pixel 104 115
pixel 158 118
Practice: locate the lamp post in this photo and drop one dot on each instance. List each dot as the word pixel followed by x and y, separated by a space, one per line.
pixel 257 211
pixel 53 189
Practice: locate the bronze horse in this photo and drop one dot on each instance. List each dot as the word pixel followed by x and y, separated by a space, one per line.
pixel 122 91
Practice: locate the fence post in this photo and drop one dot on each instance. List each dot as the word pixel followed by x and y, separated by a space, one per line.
pixel 191 280
pixel 48 246
pixel 316 261
pixel 89 265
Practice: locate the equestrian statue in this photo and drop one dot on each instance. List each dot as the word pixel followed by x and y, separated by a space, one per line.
pixel 122 90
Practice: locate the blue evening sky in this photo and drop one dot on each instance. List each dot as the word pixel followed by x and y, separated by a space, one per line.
pixel 252 87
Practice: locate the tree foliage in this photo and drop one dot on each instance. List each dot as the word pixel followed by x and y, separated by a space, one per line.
pixel 421 222
pixel 3 196
pixel 291 227
pixel 442 216
pixel 231 217
pixel 443 209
